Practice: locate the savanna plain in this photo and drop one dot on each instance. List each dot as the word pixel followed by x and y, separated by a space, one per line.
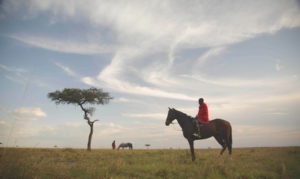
pixel 275 162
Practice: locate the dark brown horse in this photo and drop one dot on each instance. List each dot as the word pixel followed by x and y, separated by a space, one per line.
pixel 218 128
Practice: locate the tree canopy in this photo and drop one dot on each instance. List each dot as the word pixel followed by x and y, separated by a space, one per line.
pixel 80 96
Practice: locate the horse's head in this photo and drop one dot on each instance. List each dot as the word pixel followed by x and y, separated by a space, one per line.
pixel 171 116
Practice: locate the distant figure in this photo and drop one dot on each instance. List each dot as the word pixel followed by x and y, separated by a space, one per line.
pixel 124 145
pixel 113 145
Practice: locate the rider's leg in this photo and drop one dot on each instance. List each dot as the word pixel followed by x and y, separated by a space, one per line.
pixel 198 127
pixel 197 133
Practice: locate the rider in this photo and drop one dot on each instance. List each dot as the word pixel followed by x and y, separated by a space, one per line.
pixel 202 116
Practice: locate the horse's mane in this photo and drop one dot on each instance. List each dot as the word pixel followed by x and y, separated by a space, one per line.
pixel 184 115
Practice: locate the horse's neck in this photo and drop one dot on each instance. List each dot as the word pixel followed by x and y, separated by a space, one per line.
pixel 181 120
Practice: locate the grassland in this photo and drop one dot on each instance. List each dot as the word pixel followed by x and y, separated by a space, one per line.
pixel 100 163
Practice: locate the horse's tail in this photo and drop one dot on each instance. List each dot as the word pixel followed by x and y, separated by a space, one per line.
pixel 230 139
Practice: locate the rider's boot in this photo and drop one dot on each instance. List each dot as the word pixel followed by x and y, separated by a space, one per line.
pixel 197 133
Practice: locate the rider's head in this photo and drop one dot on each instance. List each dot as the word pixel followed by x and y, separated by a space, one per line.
pixel 201 100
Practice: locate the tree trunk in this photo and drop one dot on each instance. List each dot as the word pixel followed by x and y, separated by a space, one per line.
pixel 90 136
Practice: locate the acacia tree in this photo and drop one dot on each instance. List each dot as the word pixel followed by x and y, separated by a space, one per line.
pixel 82 97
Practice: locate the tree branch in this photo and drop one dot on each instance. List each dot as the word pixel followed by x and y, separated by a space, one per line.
pixel 85 116
pixel 95 120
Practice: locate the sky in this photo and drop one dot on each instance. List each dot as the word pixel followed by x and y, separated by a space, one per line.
pixel 242 57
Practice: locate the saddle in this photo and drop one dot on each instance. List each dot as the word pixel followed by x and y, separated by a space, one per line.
pixel 198 125
pixel 201 122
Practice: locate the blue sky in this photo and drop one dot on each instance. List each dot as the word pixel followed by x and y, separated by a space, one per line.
pixel 242 57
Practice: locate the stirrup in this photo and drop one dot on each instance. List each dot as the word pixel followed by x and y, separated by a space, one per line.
pixel 196 134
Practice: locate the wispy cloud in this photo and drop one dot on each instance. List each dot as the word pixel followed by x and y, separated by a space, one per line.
pixel 63 46
pixel 66 69
pixel 125 87
pixel 209 54
pixel 21 76
pixel 12 69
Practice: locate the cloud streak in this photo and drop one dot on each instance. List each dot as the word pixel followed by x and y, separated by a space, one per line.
pixel 12 69
pixel 66 69
pixel 63 46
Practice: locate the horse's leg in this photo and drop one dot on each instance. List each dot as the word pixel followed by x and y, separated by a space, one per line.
pixel 222 143
pixel 191 142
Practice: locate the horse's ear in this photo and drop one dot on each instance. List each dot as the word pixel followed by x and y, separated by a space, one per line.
pixel 169 108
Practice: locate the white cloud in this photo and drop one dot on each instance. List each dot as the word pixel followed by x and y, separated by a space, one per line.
pixel 29 113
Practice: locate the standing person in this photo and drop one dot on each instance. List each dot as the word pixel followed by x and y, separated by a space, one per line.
pixel 113 145
pixel 202 116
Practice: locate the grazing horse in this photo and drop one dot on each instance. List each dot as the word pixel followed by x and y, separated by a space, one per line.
pixel 218 128
pixel 124 145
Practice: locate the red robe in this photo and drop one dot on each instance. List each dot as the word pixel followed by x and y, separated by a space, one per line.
pixel 202 115
pixel 113 145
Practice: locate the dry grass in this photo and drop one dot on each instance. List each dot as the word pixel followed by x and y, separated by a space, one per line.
pixel 77 163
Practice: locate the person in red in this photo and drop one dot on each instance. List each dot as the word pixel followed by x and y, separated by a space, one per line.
pixel 113 145
pixel 202 116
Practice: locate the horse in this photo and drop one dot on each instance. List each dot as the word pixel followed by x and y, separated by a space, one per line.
pixel 124 145
pixel 218 128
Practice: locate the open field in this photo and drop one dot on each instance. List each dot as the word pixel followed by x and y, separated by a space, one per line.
pixel 100 163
